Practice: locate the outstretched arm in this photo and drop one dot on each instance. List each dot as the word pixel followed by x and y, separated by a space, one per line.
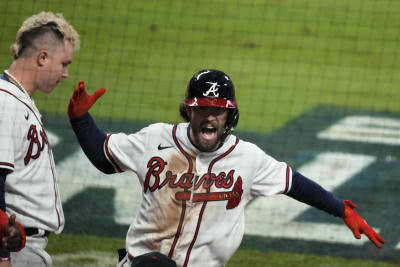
pixel 309 192
pixel 90 137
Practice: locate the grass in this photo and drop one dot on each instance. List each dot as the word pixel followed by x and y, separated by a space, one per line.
pixel 284 57
pixel 273 259
pixel 69 243
pixel 105 252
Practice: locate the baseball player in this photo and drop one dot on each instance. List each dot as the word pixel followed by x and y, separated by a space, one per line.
pixel 197 177
pixel 42 51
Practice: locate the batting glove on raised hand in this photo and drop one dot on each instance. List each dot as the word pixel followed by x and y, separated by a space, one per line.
pixel 81 101
pixel 359 226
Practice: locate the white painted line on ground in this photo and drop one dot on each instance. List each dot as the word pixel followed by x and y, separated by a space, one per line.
pixel 53 138
pixel 85 259
pixel 364 129
pixel 323 232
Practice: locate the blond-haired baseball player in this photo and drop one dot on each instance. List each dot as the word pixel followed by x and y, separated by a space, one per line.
pixel 42 52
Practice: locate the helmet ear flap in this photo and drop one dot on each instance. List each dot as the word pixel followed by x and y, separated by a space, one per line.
pixel 231 122
pixel 235 118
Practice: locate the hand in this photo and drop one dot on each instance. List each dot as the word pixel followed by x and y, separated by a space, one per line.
pixel 81 101
pixel 14 238
pixel 359 226
pixel 12 234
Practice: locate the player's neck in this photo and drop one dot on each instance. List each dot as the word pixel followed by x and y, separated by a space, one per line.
pixel 22 74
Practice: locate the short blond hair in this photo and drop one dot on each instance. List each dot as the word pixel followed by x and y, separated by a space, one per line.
pixel 42 24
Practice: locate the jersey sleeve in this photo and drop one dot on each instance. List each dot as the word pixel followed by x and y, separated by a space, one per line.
pixel 271 177
pixel 7 133
pixel 125 152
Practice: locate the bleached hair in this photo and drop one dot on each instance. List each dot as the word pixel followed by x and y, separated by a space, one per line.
pixel 43 24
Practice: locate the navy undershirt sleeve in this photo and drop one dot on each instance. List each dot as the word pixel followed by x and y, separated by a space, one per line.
pixel 3 175
pixel 92 139
pixel 311 193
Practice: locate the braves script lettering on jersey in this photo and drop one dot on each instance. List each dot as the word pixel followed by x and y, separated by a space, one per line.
pixel 31 186
pixel 196 199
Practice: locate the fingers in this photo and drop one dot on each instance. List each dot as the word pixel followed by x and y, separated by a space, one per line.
pixel 99 93
pixel 374 237
pixel 380 239
pixel 377 240
pixel 81 85
pixel 11 243
pixel 12 238
pixel 11 220
pixel 76 93
pixel 80 91
pixel 10 227
pixel 81 88
pixel 356 233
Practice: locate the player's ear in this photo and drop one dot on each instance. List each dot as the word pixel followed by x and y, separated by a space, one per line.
pixel 41 57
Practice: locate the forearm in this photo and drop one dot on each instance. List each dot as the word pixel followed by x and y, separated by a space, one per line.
pixel 3 175
pixel 91 139
pixel 311 193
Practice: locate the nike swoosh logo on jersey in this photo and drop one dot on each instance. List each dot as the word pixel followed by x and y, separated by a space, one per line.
pixel 163 147
pixel 27 115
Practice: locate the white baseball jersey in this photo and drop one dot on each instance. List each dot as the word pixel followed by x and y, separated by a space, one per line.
pixel 31 190
pixel 193 202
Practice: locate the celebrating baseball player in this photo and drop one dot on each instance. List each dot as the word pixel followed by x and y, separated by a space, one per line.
pixel 197 177
pixel 42 51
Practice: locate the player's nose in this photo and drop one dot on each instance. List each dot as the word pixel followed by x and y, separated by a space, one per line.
pixel 211 117
pixel 65 73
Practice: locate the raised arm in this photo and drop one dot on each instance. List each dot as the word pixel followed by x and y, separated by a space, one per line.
pixel 90 137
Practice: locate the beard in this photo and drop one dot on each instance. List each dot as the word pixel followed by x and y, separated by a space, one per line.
pixel 207 138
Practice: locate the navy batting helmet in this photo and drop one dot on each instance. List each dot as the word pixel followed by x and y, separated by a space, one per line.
pixel 152 259
pixel 213 88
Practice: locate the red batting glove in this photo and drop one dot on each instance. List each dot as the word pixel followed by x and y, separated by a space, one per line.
pixel 81 101
pixel 359 226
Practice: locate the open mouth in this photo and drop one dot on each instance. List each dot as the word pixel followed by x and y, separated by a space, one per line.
pixel 209 132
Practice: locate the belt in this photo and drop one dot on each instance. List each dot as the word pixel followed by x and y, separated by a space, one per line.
pixel 122 253
pixel 36 231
